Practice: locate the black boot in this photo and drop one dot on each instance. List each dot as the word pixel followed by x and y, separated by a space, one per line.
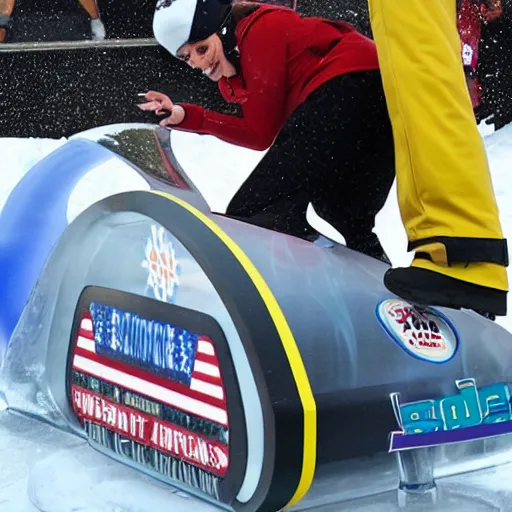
pixel 368 244
pixel 428 288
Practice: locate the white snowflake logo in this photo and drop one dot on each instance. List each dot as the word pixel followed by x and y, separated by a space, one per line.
pixel 162 265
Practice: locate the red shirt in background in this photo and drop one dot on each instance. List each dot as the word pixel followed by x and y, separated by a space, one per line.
pixel 471 15
pixel 284 58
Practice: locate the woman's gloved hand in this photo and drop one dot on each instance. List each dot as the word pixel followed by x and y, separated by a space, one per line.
pixel 161 104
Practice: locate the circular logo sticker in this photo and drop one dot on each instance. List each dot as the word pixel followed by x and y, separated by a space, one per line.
pixel 425 334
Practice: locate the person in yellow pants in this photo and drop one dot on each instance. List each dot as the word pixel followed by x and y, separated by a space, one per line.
pixel 445 191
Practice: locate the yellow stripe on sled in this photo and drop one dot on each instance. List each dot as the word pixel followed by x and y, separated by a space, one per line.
pixel 289 344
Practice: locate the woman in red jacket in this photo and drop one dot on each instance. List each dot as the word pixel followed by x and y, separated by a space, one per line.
pixel 309 89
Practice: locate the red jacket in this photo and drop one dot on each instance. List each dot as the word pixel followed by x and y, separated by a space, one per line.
pixel 284 58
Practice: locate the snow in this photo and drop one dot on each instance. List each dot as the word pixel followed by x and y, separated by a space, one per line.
pixel 121 178
pixel 18 157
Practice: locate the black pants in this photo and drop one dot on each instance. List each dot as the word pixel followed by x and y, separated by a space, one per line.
pixel 336 151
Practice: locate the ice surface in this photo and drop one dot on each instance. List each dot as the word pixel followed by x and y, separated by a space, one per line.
pixel 52 471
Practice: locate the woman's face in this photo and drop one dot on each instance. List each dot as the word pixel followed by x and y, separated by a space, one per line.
pixel 208 56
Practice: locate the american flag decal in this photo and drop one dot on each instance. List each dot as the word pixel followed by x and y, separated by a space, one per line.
pixel 154 372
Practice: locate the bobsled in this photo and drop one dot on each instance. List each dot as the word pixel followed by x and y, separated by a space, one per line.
pixel 159 356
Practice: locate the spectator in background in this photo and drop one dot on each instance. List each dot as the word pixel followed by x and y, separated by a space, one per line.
pixel 90 6
pixel 97 28
pixel 471 15
pixel 6 8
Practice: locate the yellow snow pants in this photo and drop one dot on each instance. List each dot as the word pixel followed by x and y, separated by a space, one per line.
pixel 444 185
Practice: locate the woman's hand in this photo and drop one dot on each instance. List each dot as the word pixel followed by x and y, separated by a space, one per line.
pixel 176 117
pixel 157 102
pixel 161 104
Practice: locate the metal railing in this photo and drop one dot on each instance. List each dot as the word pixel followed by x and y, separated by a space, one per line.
pixel 76 45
